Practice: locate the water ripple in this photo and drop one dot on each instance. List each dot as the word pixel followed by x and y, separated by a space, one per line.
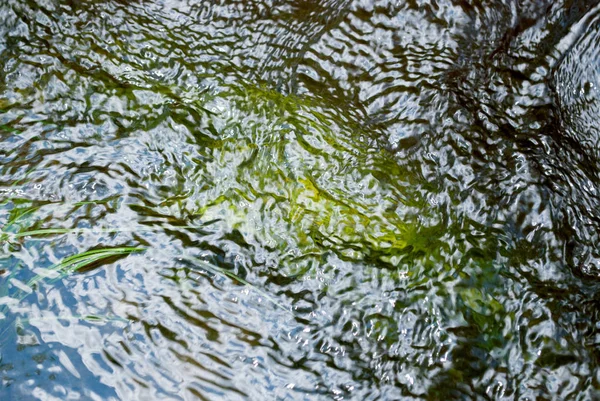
pixel 318 200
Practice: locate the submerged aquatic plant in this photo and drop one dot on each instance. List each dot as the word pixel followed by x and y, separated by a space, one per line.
pixel 82 261
pixel 6 127
pixel 86 260
pixel 284 172
pixel 74 263
pixel 279 173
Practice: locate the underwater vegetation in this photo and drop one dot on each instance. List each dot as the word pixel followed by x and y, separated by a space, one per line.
pixel 298 200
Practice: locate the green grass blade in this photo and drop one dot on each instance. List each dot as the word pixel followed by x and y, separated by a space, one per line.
pixel 81 260
pixel 219 270
pixel 51 231
pixel 72 318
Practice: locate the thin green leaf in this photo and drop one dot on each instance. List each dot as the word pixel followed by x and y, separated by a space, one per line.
pixel 219 270
pixel 81 260
pixel 51 231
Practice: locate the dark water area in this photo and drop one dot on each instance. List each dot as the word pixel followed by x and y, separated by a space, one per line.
pixel 299 200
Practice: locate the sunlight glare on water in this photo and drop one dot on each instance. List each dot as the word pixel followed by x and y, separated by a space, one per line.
pixel 299 200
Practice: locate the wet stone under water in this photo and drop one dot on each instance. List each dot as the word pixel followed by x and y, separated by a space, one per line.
pixel 299 200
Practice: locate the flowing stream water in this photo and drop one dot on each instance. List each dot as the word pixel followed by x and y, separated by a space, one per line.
pixel 299 200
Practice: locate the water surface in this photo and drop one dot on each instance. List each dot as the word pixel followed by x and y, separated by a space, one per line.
pixel 310 200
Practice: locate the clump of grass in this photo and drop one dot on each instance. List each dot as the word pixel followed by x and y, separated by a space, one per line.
pixel 21 211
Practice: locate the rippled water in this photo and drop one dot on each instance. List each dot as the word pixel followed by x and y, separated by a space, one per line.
pixel 304 200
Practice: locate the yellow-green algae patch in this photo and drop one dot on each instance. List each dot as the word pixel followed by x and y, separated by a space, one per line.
pixel 287 174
